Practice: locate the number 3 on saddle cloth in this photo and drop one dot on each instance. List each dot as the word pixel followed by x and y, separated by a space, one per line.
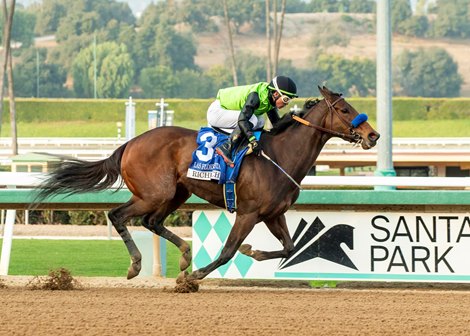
pixel 209 166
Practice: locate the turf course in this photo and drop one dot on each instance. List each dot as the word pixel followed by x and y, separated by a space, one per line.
pixel 81 257
pixel 401 128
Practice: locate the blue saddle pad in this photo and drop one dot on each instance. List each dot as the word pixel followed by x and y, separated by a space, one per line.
pixel 209 166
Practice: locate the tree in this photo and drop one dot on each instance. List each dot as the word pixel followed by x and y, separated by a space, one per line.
pixel 173 49
pixel 330 6
pixel 51 77
pixel 48 15
pixel 194 84
pixel 278 34
pixel 84 17
pixel 415 26
pixel 114 71
pixel 428 73
pixel 219 76
pixel 452 19
pixel 158 81
pixel 355 77
pixel 162 45
pixel 401 11
pixel 273 58
pixel 233 61
pixel 23 27
pixel 8 14
pixel 198 15
pixel 361 6
pixel 243 11
pixel 251 68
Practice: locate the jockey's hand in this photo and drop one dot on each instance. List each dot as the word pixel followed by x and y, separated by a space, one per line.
pixel 255 146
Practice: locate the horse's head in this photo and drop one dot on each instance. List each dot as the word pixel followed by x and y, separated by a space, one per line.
pixel 342 120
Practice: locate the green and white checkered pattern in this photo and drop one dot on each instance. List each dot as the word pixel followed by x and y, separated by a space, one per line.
pixel 215 226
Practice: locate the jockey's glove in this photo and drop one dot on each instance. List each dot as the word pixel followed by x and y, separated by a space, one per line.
pixel 255 146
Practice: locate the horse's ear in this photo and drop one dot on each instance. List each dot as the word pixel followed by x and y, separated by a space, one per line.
pixel 325 92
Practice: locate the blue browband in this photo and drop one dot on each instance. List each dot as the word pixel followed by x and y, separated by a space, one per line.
pixel 359 120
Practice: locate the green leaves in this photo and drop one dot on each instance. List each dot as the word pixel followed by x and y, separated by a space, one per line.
pixel 114 71
pixel 428 73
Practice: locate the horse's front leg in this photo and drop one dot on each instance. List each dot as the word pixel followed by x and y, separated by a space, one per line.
pixel 241 228
pixel 278 228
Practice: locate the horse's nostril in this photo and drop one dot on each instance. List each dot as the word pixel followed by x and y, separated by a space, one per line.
pixel 373 136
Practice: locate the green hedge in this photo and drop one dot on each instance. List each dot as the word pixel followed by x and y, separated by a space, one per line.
pixel 45 110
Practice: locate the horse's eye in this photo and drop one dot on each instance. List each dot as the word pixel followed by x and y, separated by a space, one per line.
pixel 344 110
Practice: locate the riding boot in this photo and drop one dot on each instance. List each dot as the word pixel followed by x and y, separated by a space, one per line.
pixel 225 150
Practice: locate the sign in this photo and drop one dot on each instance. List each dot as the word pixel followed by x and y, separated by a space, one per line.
pixel 370 246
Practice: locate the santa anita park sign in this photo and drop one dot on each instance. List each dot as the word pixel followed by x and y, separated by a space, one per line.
pixel 340 245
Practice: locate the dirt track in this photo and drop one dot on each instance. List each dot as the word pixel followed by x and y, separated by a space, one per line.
pixel 144 306
pixel 111 309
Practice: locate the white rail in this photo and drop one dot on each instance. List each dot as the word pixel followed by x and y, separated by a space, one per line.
pixel 404 181
pixel 411 143
pixel 33 179
pixel 92 149
pixel 12 180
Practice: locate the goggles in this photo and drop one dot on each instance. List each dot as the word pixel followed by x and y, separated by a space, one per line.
pixel 285 99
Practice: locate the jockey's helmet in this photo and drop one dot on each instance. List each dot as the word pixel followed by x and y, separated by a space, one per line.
pixel 284 85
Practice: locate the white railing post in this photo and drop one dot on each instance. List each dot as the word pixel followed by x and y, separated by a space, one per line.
pixel 130 119
pixel 7 242
pixel 161 113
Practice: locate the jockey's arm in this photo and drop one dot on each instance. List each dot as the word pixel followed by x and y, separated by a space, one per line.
pixel 273 116
pixel 251 104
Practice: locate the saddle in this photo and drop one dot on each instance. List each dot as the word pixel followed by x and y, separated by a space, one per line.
pixel 209 166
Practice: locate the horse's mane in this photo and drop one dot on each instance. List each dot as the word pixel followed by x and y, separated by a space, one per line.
pixel 286 121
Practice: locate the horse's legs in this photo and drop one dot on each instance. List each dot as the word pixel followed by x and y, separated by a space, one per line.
pixel 154 223
pixel 278 228
pixel 118 217
pixel 242 227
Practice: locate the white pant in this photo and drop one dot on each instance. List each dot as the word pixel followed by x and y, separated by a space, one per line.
pixel 219 117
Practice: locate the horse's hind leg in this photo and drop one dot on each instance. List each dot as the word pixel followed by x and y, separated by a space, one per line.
pixel 154 223
pixel 119 216
pixel 278 228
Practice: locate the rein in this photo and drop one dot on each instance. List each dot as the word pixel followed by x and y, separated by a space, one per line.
pixel 348 137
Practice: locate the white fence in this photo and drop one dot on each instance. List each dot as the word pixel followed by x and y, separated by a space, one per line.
pixel 33 179
pixel 13 180
pixel 99 148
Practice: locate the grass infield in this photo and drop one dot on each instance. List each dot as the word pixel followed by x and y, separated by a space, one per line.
pixel 92 258
pixel 405 128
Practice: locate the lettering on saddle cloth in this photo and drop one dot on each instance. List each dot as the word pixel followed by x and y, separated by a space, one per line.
pixel 207 164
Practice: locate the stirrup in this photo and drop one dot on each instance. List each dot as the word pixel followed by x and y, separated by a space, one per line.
pixel 226 159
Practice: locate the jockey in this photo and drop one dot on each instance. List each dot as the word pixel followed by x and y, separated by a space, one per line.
pixel 241 110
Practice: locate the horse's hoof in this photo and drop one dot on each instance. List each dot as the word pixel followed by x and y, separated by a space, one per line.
pixel 182 277
pixel 245 249
pixel 133 270
pixel 185 260
pixel 131 273
pixel 186 285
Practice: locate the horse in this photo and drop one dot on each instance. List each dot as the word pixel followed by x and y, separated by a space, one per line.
pixel 154 167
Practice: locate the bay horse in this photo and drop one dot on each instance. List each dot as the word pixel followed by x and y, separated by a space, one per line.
pixel 154 165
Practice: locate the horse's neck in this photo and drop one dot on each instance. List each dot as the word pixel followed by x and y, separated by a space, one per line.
pixel 302 145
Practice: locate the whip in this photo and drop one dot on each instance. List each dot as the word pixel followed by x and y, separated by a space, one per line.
pixel 280 168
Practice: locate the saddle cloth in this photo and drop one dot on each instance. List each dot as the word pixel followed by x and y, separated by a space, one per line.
pixel 209 166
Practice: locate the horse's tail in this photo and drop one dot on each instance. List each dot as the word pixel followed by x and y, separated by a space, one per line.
pixel 78 176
